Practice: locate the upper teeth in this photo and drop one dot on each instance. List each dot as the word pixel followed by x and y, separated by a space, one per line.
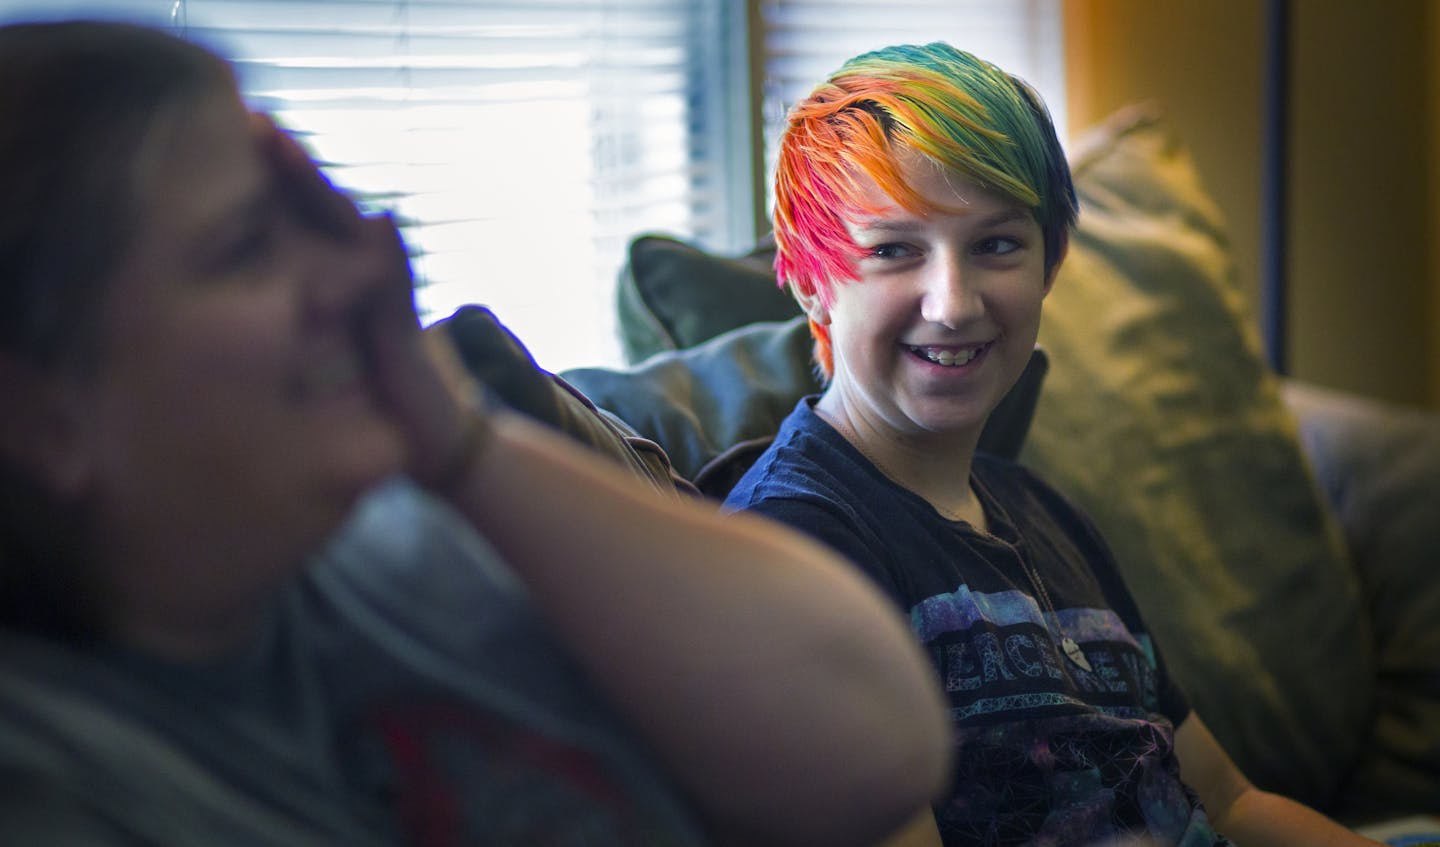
pixel 948 358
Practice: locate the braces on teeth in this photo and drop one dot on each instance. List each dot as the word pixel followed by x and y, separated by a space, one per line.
pixel 946 358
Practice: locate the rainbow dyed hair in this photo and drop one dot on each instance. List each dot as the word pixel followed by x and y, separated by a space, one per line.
pixel 967 115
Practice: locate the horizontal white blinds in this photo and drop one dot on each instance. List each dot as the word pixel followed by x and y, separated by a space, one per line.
pixel 522 142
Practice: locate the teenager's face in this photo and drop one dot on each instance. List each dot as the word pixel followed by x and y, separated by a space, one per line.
pixel 944 314
pixel 230 424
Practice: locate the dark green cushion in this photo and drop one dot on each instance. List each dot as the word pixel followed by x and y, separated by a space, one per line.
pixel 672 295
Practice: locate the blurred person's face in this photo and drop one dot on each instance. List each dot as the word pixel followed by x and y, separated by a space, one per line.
pixel 945 311
pixel 230 424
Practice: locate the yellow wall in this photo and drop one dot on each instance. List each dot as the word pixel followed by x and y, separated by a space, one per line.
pixel 1363 265
pixel 1202 62
pixel 1359 204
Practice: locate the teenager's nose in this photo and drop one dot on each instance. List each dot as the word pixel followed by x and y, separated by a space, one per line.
pixel 948 297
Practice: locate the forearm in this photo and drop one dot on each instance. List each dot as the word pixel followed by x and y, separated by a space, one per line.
pixel 780 688
pixel 1245 814
pixel 1261 819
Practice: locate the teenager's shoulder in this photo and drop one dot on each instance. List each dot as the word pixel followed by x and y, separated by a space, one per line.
pixel 804 461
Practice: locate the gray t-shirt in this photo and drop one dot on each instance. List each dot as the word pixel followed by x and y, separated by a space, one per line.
pixel 404 691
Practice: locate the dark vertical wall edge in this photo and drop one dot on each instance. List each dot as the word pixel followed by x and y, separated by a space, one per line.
pixel 1273 291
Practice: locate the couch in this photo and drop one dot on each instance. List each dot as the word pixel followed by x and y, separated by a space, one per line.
pixel 1281 538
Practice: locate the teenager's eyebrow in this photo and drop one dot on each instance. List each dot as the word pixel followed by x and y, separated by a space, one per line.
pixel 1006 216
pixel 886 225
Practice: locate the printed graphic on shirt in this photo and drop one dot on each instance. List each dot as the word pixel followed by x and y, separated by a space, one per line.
pixel 1073 780
pixel 1052 749
pixel 998 653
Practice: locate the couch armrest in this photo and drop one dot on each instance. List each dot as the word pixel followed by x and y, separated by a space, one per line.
pixel 1378 465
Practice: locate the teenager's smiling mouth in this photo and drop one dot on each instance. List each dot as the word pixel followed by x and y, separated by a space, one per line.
pixel 949 357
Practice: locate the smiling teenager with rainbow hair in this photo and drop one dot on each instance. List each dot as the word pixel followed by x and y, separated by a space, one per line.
pixel 923 207
pixel 968 116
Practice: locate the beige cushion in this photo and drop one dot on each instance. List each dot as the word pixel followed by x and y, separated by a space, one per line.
pixel 1160 419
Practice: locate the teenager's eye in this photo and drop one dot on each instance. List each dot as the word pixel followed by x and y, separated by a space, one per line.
pixel 997 246
pixel 891 251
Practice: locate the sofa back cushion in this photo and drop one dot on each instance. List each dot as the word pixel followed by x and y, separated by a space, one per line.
pixel 672 295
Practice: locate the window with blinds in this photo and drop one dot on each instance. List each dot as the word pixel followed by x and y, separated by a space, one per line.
pixel 523 142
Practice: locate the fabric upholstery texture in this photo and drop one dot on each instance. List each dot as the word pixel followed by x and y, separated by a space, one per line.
pixel 1158 417
pixel 726 396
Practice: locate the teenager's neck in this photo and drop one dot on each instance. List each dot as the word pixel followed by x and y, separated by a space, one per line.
pixel 935 468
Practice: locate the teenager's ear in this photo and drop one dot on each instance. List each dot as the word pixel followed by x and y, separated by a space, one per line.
pixel 40 430
pixel 814 307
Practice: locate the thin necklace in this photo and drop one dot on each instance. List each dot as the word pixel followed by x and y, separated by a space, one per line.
pixel 1072 649
pixel 1068 644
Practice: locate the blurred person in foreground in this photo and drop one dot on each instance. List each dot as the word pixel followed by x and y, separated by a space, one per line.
pixel 271 574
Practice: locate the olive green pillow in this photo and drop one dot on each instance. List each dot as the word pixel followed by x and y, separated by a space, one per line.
pixel 1160 418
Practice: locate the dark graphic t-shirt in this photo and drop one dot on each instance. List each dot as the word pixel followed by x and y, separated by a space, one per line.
pixel 1064 716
